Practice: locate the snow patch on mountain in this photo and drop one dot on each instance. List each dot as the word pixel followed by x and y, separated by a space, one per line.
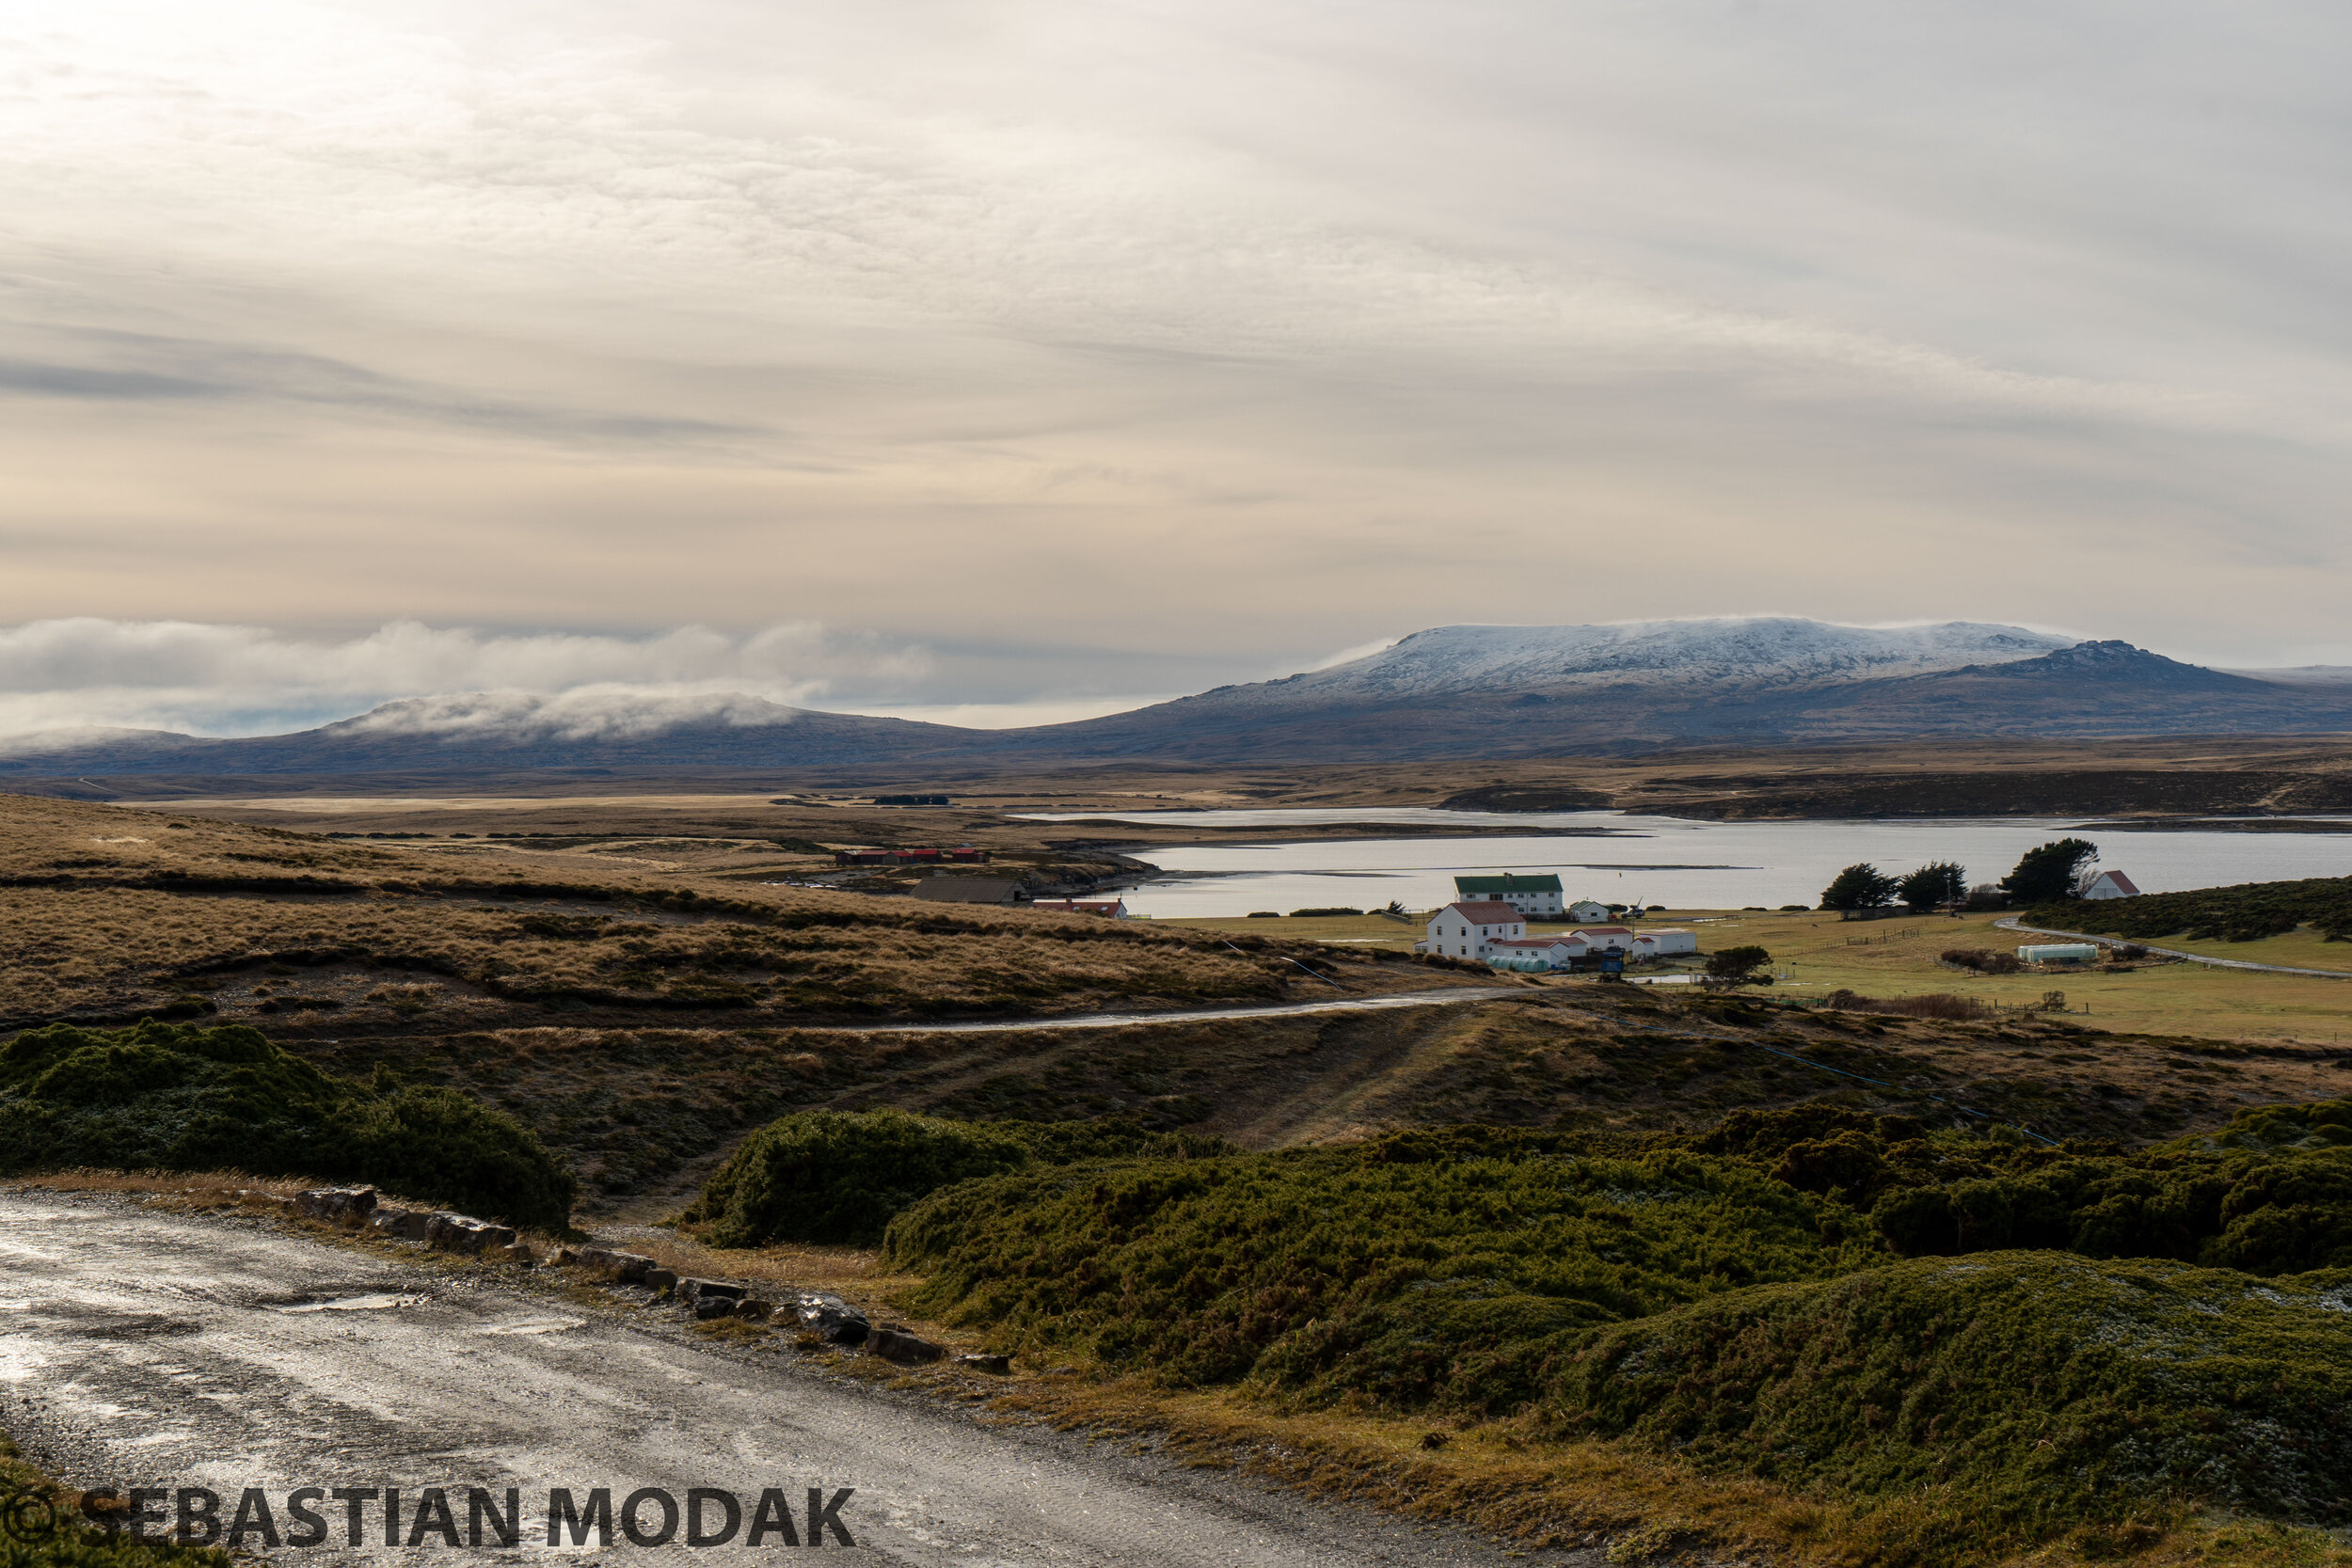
pixel 1765 653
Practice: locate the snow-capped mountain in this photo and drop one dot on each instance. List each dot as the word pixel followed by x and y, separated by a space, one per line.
pixel 1777 652
pixel 1451 692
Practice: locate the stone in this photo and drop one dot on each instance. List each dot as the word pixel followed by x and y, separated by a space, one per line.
pixel 627 1268
pixel 517 1252
pixel 463 1233
pixel 563 1258
pixel 754 1309
pixel 832 1320
pixel 893 1345
pixel 1000 1365
pixel 659 1280
pixel 707 1307
pixel 385 1222
pixel 337 1205
pixel 694 1288
pixel 414 1225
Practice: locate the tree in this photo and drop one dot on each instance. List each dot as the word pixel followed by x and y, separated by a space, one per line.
pixel 1735 964
pixel 1936 882
pixel 2052 872
pixel 1858 887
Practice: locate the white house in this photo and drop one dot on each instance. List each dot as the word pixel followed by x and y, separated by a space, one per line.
pixel 2111 884
pixel 1537 897
pixel 1585 913
pixel 1465 931
pixel 1662 943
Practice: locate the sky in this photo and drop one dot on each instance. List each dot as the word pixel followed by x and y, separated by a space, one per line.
pixel 1001 360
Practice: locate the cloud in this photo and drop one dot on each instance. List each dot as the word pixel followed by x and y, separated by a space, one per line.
pixel 585 713
pixel 1253 329
pixel 245 680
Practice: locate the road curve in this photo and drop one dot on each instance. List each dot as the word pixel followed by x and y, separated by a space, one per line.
pixel 140 1348
pixel 2013 924
pixel 1116 1020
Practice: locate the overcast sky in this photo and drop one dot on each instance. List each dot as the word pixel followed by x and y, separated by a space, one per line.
pixel 933 354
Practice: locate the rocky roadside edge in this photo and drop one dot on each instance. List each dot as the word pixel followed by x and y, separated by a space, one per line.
pixel 819 1318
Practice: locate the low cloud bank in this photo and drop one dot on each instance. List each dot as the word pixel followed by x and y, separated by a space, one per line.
pixel 226 680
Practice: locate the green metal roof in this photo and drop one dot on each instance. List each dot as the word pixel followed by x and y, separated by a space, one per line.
pixel 1507 882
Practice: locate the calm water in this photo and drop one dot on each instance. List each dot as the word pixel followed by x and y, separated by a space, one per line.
pixel 1665 859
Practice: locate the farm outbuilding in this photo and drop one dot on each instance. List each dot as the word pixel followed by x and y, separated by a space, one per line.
pixel 2111 884
pixel 2058 952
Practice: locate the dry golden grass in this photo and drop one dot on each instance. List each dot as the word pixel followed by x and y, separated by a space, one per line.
pixel 107 912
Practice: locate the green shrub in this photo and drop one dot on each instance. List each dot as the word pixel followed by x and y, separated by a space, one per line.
pixel 1446 1268
pixel 180 1097
pixel 2181 1330
pixel 2047 1390
pixel 79 1546
pixel 839 1177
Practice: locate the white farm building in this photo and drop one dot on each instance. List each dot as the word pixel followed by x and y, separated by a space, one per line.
pixel 1466 930
pixel 1537 897
pixel 2111 884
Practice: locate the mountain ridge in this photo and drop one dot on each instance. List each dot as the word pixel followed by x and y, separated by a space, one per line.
pixel 1448 691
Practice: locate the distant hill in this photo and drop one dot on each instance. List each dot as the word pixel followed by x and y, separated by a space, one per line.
pixel 1451 692
pixel 1501 691
pixel 502 732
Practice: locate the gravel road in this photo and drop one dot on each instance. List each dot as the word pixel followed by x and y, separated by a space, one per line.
pixel 140 1348
pixel 1377 1004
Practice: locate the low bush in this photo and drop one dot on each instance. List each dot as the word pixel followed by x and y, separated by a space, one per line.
pixel 2177 1327
pixel 1321 914
pixel 1424 1268
pixel 181 1097
pixel 839 1177
pixel 1983 960
pixel 1943 1004
pixel 2039 1392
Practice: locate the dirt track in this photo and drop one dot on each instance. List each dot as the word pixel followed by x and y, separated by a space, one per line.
pixel 140 1348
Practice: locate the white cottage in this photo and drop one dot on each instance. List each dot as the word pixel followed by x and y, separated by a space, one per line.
pixel 2111 884
pixel 1586 913
pixel 1465 931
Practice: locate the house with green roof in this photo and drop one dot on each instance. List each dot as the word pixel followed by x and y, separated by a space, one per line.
pixel 1535 897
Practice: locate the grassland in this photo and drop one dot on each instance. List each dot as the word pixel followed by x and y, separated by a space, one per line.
pixel 1899 957
pixel 107 913
pixel 643 1008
